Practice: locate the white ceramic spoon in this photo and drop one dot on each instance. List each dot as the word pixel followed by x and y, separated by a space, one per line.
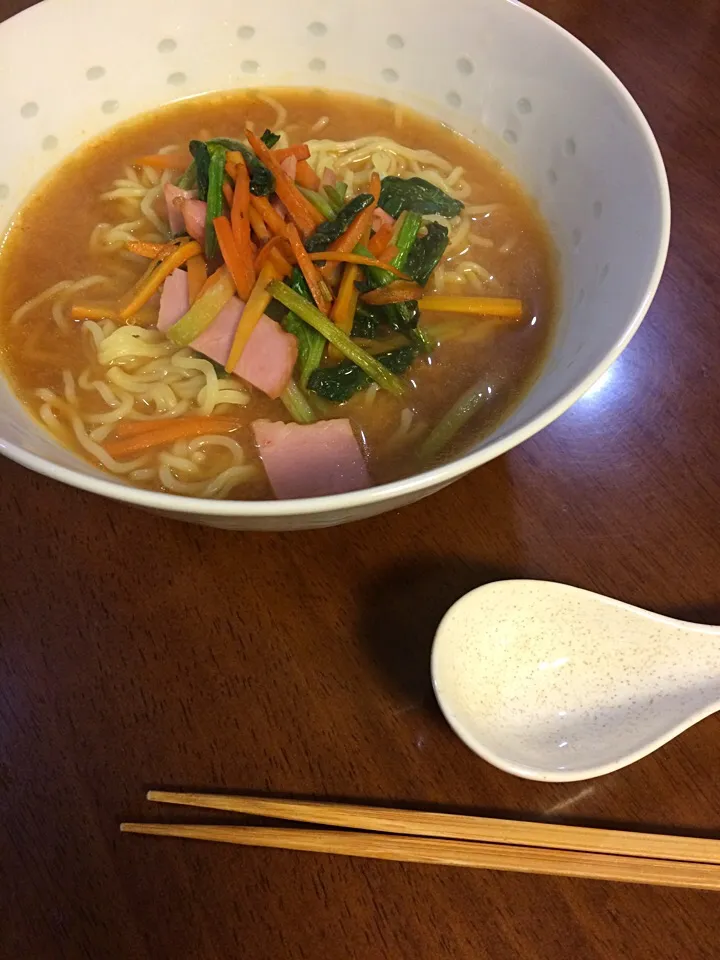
pixel 554 683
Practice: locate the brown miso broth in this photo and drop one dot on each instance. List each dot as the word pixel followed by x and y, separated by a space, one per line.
pixel 55 363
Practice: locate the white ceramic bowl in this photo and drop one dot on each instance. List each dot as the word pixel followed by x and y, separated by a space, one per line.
pixel 495 70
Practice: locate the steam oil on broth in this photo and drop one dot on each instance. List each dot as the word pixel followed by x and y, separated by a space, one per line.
pixel 48 243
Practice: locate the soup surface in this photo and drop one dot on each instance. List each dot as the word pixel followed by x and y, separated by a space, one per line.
pixel 122 394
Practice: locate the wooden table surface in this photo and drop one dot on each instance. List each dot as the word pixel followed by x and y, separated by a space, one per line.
pixel 136 651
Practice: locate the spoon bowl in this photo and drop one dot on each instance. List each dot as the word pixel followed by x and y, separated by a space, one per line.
pixel 553 683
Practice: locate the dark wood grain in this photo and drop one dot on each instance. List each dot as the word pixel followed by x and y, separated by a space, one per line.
pixel 139 652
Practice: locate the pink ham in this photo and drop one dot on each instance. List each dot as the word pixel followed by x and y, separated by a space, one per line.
pixel 194 213
pixel 175 198
pixel 381 218
pixel 174 299
pixel 268 358
pixel 289 165
pixel 329 177
pixel 311 460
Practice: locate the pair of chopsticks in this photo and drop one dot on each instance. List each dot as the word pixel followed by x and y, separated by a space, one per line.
pixel 455 840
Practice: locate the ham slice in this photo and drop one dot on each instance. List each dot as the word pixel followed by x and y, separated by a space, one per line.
pixel 329 177
pixel 174 299
pixel 310 460
pixel 380 218
pixel 175 198
pixel 289 165
pixel 194 213
pixel 269 356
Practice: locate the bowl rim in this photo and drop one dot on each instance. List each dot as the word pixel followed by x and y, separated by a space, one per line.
pixel 411 487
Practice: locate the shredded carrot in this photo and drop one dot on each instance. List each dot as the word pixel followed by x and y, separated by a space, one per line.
pixel 282 266
pixel 269 214
pixel 379 241
pixel 343 311
pixel 254 308
pixel 299 150
pixel 332 256
pixel 267 251
pixel 133 428
pixel 393 293
pixel 258 224
pixel 299 208
pixel 239 264
pixel 164 161
pixel 483 306
pixel 197 275
pixel 88 312
pixel 239 215
pixel 214 278
pixel 159 432
pixel 388 255
pixel 309 270
pixel 306 176
pixel 347 241
pixel 227 193
pixel 147 286
pixel 153 251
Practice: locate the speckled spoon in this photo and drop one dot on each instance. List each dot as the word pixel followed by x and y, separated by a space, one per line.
pixel 554 683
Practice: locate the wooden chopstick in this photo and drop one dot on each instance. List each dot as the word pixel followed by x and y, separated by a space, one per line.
pixel 459 827
pixel 458 853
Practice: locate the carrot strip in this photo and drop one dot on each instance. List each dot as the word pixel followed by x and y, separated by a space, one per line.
pixel 306 176
pixel 197 275
pixel 282 266
pixel 273 244
pixel 388 254
pixel 255 307
pixel 214 278
pixel 153 251
pixel 258 224
pixel 171 430
pixel 147 287
pixel 271 217
pixel 309 270
pixel 301 210
pixel 227 193
pixel 483 306
pixel 239 264
pixel 299 150
pixel 343 310
pixel 394 293
pixel 164 161
pixel 239 215
pixel 380 240
pixel 80 312
pixel 335 257
pixel 135 428
pixel 347 241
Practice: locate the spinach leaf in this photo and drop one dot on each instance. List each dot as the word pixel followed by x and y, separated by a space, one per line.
pixel 201 156
pixel 216 178
pixel 262 182
pixel 270 139
pixel 426 253
pixel 311 344
pixel 339 383
pixel 418 195
pixel 366 321
pixel 332 229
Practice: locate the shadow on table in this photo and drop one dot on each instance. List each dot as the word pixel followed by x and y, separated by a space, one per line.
pixel 401 609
